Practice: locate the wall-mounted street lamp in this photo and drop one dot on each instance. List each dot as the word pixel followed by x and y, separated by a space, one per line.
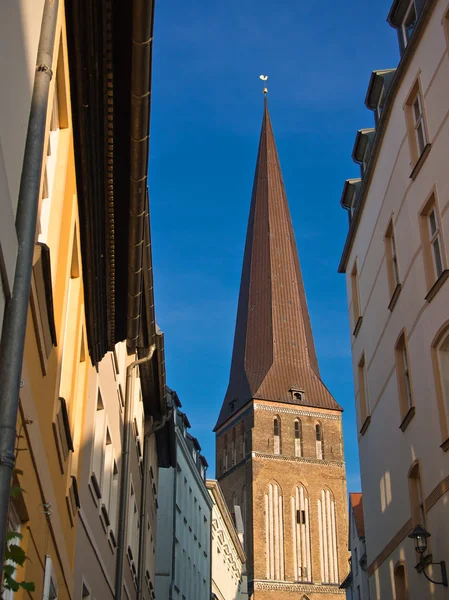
pixel 419 535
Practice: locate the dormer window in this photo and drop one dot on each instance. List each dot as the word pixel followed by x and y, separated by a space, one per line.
pixel 297 395
pixel 362 151
pixel 380 106
pixel 403 16
pixel 376 95
pixel 409 23
pixel 349 197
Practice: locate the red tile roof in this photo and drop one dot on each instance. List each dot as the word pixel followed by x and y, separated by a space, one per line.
pixel 356 503
pixel 273 350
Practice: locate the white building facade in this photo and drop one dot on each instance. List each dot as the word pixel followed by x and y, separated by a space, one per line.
pixel 356 583
pixel 228 556
pixel 183 549
pixel 396 265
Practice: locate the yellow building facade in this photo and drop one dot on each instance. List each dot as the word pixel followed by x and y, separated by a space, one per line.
pixel 78 338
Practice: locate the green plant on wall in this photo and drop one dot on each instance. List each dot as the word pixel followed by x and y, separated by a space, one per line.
pixel 15 555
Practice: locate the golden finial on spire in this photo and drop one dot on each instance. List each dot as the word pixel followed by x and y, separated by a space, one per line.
pixel 264 78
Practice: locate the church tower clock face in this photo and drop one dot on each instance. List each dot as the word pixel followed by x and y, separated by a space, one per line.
pixel 279 441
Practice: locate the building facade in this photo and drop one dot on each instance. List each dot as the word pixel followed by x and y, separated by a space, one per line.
pixel 91 422
pixel 356 582
pixel 183 550
pixel 279 445
pixel 227 554
pixel 396 265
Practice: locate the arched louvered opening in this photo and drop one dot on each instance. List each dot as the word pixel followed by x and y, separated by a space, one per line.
pixel 276 435
pixel 274 533
pixel 327 528
pixel 302 561
pixel 242 439
pixel 319 441
pixel 225 453
pixel 233 449
pixel 298 437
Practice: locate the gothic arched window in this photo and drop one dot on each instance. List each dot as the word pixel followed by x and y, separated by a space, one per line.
pixel 327 527
pixel 233 449
pixel 298 437
pixel 276 435
pixel 302 561
pixel 225 453
pixel 319 441
pixel 242 440
pixel 274 533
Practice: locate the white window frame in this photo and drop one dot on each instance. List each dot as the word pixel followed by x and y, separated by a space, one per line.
pixel 405 37
pixel 99 439
pixel 419 123
pixel 50 583
pixel 353 203
pixel 394 258
pixel 380 103
pixel 435 241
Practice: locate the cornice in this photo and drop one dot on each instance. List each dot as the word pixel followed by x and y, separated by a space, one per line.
pixel 288 586
pixel 300 459
pixel 383 124
pixel 299 412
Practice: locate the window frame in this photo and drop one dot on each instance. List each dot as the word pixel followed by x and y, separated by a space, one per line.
pixel 365 416
pixel 355 295
pixel 405 36
pixel 392 263
pixel 413 123
pixel 416 495
pixel 433 279
pixel 404 380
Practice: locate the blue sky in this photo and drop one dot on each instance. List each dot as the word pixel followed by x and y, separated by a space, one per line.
pixel 205 124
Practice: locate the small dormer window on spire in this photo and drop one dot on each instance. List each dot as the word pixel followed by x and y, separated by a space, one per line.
pixel 297 395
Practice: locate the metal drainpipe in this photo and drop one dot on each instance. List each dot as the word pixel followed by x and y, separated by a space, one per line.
pixel 15 317
pixel 143 499
pixel 124 474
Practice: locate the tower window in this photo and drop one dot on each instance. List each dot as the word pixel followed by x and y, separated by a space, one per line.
pixel 298 438
pixel 319 441
pixel 276 436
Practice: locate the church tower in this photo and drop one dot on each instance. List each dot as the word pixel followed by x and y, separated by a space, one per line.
pixel 279 444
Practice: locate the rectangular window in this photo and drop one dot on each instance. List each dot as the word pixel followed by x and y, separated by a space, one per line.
pixel 392 263
pixel 355 299
pixel 416 124
pixel 363 394
pixel 50 591
pixel 356 561
pixel 409 23
pixel 380 106
pixel 417 497
pixel 435 243
pixel 403 376
pixel 98 449
pixel 432 241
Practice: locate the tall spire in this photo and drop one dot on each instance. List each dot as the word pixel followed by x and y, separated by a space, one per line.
pixel 274 354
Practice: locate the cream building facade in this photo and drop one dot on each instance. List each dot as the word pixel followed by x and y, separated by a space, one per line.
pixel 227 554
pixel 396 264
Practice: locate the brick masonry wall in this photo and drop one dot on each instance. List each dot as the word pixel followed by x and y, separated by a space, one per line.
pixel 257 471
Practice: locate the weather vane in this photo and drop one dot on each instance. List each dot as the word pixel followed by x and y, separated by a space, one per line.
pixel 264 78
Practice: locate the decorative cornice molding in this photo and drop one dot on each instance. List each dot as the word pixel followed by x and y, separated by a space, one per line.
pixel 315 461
pixel 292 411
pixel 288 586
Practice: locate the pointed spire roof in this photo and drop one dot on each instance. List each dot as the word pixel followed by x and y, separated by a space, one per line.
pixel 274 353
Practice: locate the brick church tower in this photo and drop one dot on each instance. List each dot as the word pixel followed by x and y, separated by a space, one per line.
pixel 279 444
